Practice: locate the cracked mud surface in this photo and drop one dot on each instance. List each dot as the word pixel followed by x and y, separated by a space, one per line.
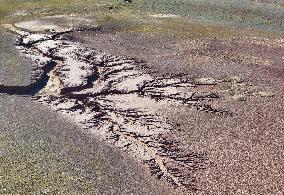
pixel 42 153
pixel 114 98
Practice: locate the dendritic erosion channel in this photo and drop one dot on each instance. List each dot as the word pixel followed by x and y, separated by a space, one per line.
pixel 113 98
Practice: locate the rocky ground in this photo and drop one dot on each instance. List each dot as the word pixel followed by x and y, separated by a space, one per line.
pixel 201 114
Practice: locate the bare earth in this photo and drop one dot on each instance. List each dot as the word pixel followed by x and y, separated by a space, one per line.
pixel 41 152
pixel 203 116
pixel 245 150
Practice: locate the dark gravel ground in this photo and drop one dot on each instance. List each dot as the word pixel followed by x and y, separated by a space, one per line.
pixel 42 153
pixel 14 69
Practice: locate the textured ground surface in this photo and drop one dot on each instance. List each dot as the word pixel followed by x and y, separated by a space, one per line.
pixel 14 69
pixel 42 153
pixel 195 100
pixel 245 150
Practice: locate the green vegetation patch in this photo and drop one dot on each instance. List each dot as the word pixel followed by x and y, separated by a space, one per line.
pixel 229 12
pixel 35 166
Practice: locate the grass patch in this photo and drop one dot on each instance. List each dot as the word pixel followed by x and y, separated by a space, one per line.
pixel 229 12
pixel 29 166
pixel 35 8
pixel 179 28
pixel 225 15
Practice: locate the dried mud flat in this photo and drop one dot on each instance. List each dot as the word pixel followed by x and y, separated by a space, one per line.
pixel 119 100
